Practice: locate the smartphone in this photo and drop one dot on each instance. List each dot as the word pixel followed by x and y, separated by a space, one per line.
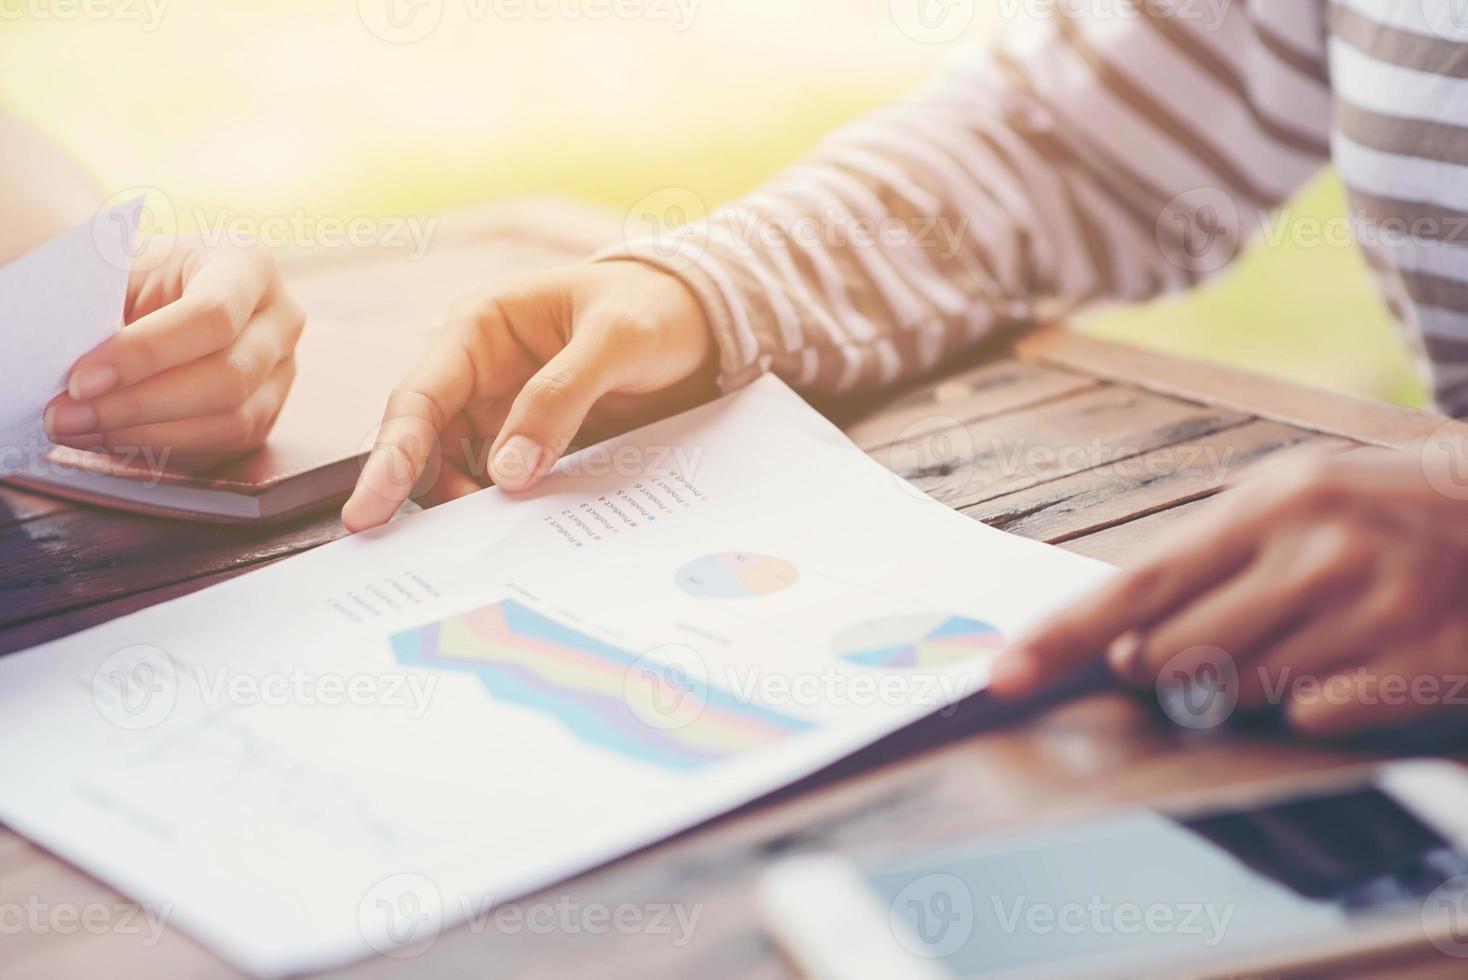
pixel 1269 878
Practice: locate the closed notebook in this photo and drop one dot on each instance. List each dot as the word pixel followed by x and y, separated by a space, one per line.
pixel 310 461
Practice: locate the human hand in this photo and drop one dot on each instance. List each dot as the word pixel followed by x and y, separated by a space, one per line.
pixel 201 368
pixel 1336 586
pixel 517 370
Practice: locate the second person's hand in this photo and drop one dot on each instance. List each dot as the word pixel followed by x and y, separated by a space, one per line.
pixel 1322 583
pixel 518 369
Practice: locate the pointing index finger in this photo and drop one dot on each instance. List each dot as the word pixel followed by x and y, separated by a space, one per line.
pixel 1132 599
pixel 409 436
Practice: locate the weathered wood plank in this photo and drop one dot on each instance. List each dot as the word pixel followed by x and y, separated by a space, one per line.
pixel 994 388
pixel 49 628
pixel 1126 542
pixel 1300 405
pixel 965 465
pixel 1128 489
pixel 1135 537
pixel 84 556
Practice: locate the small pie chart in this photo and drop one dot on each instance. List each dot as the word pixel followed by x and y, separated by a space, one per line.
pixel 916 640
pixel 735 575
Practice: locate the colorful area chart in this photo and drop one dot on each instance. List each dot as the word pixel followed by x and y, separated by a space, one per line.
pixel 663 718
pixel 736 575
pixel 922 640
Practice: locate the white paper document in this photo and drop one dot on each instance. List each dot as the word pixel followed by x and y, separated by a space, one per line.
pixel 348 750
pixel 56 303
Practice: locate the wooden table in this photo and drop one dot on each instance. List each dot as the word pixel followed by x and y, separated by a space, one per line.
pixel 1092 446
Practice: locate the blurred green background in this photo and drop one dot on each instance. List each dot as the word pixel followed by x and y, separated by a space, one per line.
pixel 328 107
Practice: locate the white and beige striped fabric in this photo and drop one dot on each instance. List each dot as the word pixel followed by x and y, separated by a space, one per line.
pixel 1115 152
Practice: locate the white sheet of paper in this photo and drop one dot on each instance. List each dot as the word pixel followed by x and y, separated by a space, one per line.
pixel 56 303
pixel 360 745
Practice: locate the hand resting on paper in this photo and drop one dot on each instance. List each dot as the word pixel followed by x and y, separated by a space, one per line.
pixel 1335 587
pixel 520 367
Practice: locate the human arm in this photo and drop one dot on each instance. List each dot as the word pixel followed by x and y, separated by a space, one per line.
pixel 1095 159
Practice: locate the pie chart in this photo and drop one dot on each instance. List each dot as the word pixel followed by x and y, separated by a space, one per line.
pixel 735 575
pixel 916 640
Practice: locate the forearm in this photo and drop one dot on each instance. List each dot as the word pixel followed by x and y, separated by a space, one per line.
pixel 1076 166
pixel 42 189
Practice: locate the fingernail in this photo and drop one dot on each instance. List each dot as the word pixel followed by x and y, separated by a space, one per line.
pixel 88 442
pixel 519 461
pixel 1308 718
pixel 70 419
pixel 1123 654
pixel 359 512
pixel 1014 672
pixel 92 381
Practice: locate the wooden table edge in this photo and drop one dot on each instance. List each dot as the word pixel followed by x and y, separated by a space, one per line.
pixel 1277 399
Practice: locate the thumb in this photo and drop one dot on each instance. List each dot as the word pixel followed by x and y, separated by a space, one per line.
pixel 549 411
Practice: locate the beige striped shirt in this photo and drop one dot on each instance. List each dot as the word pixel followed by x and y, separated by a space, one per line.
pixel 1116 152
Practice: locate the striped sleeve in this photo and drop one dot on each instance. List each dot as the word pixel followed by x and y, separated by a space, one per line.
pixel 1091 158
pixel 1401 146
